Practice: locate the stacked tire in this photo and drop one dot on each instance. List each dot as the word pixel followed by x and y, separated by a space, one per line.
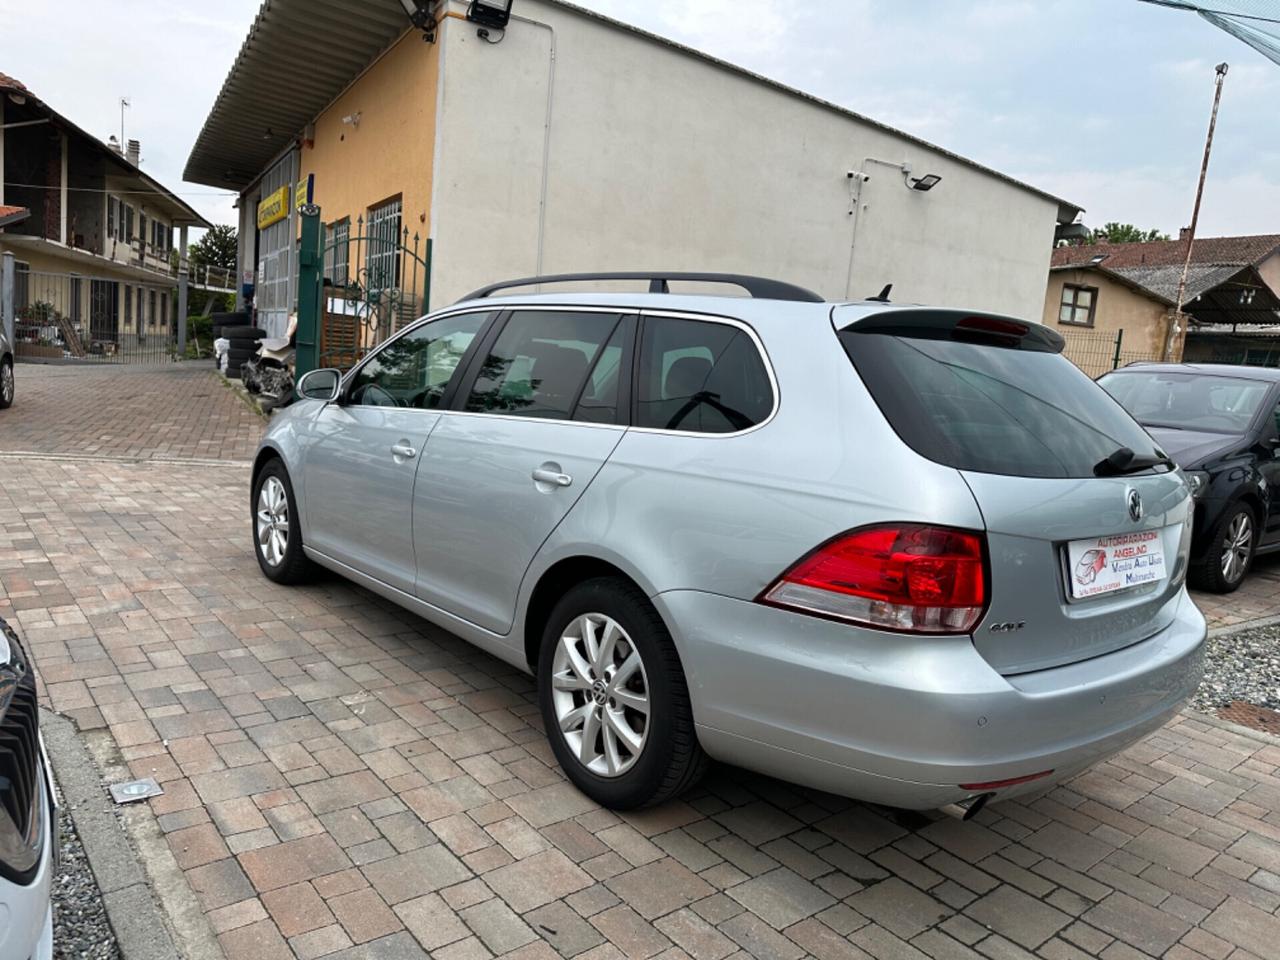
pixel 245 341
pixel 222 321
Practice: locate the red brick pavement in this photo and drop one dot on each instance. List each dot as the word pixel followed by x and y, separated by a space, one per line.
pixel 178 410
pixel 343 779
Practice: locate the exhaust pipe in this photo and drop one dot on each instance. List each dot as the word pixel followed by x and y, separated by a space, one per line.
pixel 966 809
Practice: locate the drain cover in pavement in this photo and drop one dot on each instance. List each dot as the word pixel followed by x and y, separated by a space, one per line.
pixel 135 790
pixel 1251 715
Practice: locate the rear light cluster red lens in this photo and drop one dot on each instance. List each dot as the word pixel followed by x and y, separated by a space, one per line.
pixel 910 577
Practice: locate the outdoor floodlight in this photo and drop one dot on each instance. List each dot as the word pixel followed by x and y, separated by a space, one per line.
pixel 489 13
pixel 418 12
pixel 925 183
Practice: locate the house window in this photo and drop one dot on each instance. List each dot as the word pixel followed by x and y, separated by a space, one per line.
pixel 151 308
pixel 383 261
pixel 1077 305
pixel 113 215
pixel 77 292
pixel 128 223
pixel 164 308
pixel 337 254
pixel 21 284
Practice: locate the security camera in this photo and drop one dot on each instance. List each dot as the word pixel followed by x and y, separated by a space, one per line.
pixel 856 175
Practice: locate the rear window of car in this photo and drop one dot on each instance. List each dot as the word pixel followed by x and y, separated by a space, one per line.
pixel 992 409
pixel 1188 401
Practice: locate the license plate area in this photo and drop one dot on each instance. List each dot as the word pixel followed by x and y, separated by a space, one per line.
pixel 1101 566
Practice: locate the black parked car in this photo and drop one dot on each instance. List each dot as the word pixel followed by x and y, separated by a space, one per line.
pixel 1221 424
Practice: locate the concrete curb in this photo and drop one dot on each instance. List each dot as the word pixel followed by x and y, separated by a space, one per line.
pixel 1243 627
pixel 1241 731
pixel 142 928
pixel 248 399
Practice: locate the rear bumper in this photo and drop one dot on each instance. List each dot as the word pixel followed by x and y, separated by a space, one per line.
pixel 904 720
pixel 26 912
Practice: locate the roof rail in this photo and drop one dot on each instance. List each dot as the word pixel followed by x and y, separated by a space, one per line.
pixel 759 288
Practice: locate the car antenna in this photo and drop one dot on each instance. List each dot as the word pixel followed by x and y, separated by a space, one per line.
pixel 883 296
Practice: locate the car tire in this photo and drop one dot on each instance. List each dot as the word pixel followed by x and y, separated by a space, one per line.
pixel 273 515
pixel 578 701
pixel 1232 546
pixel 6 383
pixel 243 333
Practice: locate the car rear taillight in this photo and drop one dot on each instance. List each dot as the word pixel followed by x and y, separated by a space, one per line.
pixel 909 577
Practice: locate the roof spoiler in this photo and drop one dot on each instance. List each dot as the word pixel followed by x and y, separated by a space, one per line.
pixel 963 326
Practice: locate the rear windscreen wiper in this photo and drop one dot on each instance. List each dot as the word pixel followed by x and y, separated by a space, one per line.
pixel 1125 460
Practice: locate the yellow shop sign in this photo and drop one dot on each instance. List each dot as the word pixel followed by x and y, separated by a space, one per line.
pixel 273 208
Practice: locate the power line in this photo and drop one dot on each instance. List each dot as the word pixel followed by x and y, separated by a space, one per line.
pixel 1220 13
pixel 124 193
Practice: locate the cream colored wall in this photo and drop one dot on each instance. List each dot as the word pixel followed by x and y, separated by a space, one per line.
pixel 1269 269
pixel 650 158
pixel 390 153
pixel 1117 307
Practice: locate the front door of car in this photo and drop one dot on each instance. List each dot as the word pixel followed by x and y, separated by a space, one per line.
pixel 1269 467
pixel 536 418
pixel 363 452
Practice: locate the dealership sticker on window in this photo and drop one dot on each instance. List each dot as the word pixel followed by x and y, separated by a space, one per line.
pixel 1107 564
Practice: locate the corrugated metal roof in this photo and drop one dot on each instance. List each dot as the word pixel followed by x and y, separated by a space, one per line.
pixel 298 56
pixel 288 50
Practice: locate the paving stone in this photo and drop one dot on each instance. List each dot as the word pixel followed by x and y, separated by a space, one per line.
pixel 1246 926
pixel 412 874
pixel 1137 923
pixel 659 888
pixel 293 862
pixel 759 939
pixel 497 926
pixel 1013 914
pixel 782 897
pixel 634 936
pixel 364 915
pixel 563 929
pixel 899 907
pixel 297 909
pixel 536 880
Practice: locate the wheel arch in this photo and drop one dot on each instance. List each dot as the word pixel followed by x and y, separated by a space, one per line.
pixel 553 583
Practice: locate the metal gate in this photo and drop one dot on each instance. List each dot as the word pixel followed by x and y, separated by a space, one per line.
pixel 83 318
pixel 356 289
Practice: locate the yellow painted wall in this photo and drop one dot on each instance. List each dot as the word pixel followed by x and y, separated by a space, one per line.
pixel 1118 307
pixel 391 152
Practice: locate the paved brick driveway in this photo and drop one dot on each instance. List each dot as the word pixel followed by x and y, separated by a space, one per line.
pixel 155 411
pixel 345 780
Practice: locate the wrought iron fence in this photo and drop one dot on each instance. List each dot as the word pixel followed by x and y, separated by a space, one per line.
pixel 376 281
pixel 1096 352
pixel 93 319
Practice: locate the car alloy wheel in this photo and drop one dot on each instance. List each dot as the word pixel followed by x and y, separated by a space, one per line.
pixel 1237 546
pixel 6 383
pixel 600 695
pixel 273 521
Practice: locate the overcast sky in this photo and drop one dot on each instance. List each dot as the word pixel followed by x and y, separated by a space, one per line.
pixel 1102 102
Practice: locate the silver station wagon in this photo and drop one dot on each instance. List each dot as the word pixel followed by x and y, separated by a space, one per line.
pixel 903 554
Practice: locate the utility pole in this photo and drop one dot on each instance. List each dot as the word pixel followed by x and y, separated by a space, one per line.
pixel 1220 75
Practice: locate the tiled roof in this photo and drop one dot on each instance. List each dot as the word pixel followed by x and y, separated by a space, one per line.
pixel 1224 251
pixel 9 83
pixel 12 214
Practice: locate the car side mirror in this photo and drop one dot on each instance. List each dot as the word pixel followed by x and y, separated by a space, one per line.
pixel 320 385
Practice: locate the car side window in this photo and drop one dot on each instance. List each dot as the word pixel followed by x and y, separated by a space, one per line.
pixel 539 366
pixel 414 370
pixel 700 377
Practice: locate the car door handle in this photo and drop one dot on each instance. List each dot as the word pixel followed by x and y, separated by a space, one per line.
pixel 403 450
pixel 552 476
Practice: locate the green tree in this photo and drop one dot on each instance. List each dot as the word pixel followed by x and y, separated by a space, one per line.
pixel 1125 233
pixel 219 247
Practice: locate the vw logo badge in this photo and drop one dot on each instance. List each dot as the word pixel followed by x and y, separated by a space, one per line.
pixel 1135 505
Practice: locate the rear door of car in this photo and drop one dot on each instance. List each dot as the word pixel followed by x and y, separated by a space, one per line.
pixel 541 408
pixel 362 453
pixel 1085 557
